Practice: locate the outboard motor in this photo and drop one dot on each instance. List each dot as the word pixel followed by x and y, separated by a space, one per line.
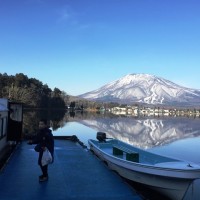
pixel 101 136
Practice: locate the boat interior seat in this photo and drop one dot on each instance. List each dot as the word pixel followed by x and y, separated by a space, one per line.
pixel 130 155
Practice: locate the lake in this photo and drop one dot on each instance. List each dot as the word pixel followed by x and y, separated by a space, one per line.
pixel 170 136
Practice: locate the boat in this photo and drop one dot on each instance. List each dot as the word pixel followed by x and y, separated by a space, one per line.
pixel 168 176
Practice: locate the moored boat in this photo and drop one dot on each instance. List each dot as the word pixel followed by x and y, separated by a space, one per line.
pixel 169 176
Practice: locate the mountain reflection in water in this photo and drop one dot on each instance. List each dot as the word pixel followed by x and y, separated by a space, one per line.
pixel 146 132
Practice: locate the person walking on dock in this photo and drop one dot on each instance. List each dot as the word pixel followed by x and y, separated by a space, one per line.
pixel 45 141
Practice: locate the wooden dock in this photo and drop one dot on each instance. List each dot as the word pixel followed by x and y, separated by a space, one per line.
pixel 76 174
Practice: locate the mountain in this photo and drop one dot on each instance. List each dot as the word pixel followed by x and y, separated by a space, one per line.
pixel 144 88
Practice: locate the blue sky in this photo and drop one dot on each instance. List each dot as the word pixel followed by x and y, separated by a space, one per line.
pixel 80 45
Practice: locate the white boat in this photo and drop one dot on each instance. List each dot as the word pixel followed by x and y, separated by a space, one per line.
pixel 168 176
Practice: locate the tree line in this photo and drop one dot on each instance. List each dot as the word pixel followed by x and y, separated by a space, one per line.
pixel 30 91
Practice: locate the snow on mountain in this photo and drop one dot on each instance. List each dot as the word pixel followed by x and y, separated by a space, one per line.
pixel 144 88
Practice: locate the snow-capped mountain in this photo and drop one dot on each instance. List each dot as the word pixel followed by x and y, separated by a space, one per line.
pixel 144 88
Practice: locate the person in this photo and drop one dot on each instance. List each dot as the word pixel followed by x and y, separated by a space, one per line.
pixel 44 139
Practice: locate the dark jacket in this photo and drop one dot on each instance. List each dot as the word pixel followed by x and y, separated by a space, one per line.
pixel 45 139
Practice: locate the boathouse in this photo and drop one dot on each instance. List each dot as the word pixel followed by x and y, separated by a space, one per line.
pixel 3 124
pixel 11 120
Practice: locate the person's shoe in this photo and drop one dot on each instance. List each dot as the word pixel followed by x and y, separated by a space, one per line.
pixel 40 176
pixel 43 178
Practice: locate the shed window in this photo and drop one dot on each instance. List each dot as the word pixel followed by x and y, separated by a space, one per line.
pixel 3 127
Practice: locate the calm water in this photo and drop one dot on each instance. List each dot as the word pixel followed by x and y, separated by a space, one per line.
pixel 175 137
pixel 183 148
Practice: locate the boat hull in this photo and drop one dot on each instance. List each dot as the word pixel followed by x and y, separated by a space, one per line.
pixel 174 189
pixel 173 184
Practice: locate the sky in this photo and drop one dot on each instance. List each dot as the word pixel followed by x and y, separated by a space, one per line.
pixel 80 45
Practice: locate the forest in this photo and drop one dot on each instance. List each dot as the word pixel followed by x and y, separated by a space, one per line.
pixel 31 92
pixel 34 94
